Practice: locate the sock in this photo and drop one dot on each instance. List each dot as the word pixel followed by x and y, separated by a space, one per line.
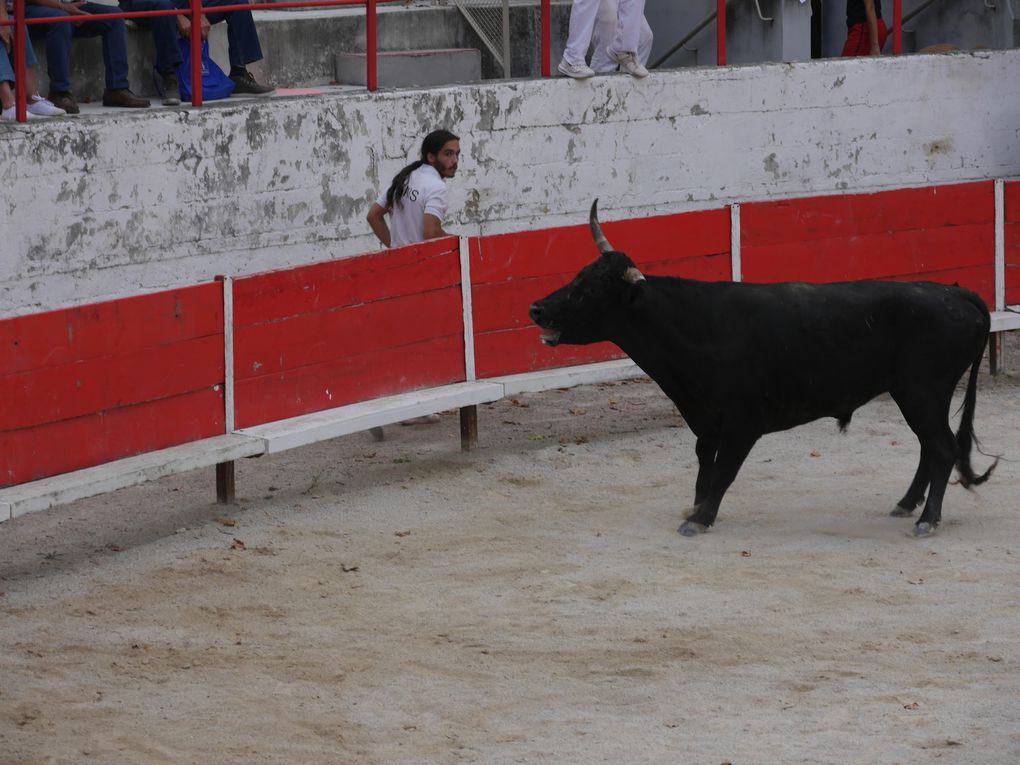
pixel 238 71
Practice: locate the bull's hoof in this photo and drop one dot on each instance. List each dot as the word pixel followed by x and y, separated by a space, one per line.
pixel 692 529
pixel 923 529
pixel 902 512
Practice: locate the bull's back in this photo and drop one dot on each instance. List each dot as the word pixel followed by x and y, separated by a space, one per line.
pixel 785 354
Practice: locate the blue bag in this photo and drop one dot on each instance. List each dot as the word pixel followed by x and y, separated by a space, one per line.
pixel 215 84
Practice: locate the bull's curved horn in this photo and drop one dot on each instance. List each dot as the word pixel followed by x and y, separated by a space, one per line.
pixel 596 230
pixel 633 276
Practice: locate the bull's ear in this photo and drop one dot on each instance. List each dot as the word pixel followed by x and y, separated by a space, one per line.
pixel 633 276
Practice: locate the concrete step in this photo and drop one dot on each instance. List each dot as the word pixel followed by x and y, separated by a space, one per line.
pixel 412 68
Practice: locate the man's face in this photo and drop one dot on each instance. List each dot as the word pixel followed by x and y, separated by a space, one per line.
pixel 446 160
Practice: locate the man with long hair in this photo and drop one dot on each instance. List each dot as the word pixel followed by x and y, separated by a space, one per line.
pixel 417 198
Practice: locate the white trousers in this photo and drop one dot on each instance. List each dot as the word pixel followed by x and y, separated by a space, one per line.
pixel 605 32
pixel 583 13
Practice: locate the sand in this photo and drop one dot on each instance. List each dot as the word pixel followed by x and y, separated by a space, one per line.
pixel 530 601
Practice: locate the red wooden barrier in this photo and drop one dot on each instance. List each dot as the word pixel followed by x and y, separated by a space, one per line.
pixel 329 334
pixel 1012 241
pixel 941 233
pixel 84 386
pixel 510 271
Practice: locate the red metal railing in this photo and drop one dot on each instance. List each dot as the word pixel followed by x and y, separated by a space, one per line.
pixel 371 31
pixel 19 22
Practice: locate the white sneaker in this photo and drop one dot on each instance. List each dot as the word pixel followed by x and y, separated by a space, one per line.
pixel 577 71
pixel 10 114
pixel 627 63
pixel 41 107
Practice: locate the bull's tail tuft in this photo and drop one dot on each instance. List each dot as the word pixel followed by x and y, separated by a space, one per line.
pixel 965 437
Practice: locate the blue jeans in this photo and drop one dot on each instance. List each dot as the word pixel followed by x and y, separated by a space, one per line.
pixel 58 44
pixel 7 62
pixel 242 39
pixel 163 28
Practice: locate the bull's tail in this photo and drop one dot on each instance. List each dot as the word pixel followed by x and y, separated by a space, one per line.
pixel 965 437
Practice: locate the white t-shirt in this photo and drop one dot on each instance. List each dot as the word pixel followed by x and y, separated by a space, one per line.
pixel 426 193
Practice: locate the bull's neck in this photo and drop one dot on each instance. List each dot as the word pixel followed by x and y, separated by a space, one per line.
pixel 658 331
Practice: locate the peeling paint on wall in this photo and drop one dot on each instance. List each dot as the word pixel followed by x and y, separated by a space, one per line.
pixel 152 201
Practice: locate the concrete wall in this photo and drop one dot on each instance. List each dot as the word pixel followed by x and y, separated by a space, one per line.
pixel 106 206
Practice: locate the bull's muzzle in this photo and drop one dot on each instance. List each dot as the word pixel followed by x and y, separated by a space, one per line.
pixel 549 336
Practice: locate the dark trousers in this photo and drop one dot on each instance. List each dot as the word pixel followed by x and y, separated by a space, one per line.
pixel 58 44
pixel 163 28
pixel 242 39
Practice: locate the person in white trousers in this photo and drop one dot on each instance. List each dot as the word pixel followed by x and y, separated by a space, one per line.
pixel 605 31
pixel 623 48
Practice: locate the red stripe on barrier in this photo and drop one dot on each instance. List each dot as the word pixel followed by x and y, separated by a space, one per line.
pixel 275 295
pixel 83 386
pixel 943 233
pixel 836 217
pixel 382 372
pixel 96 385
pixel 114 328
pixel 60 447
pixel 1012 242
pixel 511 271
pixel 330 334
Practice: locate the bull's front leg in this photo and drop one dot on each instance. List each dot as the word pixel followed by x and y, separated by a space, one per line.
pixel 705 448
pixel 732 451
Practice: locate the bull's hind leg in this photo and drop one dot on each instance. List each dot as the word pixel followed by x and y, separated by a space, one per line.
pixel 915 494
pixel 731 455
pixel 927 415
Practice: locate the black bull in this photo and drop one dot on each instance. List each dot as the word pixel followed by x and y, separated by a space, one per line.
pixel 741 360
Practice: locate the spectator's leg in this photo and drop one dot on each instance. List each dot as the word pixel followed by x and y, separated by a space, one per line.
pixel 602 37
pixel 242 37
pixel 645 40
pixel 856 36
pixel 628 30
pixel 582 25
pixel 114 35
pixel 58 46
pixel 163 28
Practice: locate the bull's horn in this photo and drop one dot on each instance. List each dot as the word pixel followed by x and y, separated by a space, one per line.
pixel 633 276
pixel 596 230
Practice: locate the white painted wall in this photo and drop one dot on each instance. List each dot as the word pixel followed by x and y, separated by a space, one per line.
pixel 100 207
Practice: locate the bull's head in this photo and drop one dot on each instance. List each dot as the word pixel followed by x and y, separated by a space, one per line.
pixel 580 312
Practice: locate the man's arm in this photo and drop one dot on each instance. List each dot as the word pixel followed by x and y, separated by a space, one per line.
pixel 872 23
pixel 433 227
pixel 377 221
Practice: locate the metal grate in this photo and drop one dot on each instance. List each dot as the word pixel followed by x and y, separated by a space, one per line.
pixel 491 20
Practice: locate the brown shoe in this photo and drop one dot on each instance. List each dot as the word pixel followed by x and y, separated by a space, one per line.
pixel 64 101
pixel 124 98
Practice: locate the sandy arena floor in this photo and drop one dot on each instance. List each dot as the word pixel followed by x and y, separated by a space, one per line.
pixel 401 602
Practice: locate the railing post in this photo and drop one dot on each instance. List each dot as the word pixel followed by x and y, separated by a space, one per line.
pixel 720 32
pixel 196 52
pixel 546 38
pixel 897 27
pixel 371 46
pixel 20 96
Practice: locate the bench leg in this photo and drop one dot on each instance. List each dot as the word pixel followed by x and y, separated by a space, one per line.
pixel 995 353
pixel 468 427
pixel 225 483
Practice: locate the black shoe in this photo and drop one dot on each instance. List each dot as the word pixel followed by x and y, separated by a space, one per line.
pixel 167 87
pixel 64 101
pixel 123 98
pixel 245 83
